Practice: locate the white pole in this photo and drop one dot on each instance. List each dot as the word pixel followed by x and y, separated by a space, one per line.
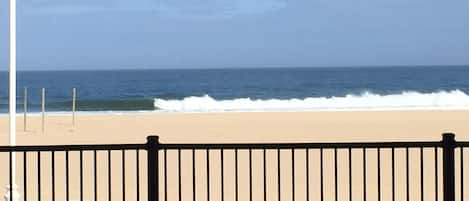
pixel 12 92
pixel 43 107
pixel 12 95
pixel 74 104
pixel 25 107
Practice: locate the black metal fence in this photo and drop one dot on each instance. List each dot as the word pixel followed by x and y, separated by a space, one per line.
pixel 381 171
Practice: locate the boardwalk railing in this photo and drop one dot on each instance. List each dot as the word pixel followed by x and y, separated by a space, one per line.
pixel 388 171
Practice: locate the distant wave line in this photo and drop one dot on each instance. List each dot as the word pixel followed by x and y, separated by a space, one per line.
pixel 407 100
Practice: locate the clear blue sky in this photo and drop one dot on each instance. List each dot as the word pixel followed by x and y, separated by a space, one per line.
pixel 110 34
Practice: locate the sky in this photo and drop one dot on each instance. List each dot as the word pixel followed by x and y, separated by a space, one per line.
pixel 132 34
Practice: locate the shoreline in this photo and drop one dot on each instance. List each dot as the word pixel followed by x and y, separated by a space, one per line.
pixel 152 112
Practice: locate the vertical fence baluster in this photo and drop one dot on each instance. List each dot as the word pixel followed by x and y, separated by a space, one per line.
pixel 250 175
pixel 95 173
pixel 407 173
pixel 336 189
pixel 279 176
pixel 10 165
pixel 123 174
pixel 236 176
pixel 379 173
pixel 462 173
pixel 350 173
pixel 137 161
pixel 293 173
pixel 364 174
pixel 165 164
pixel 393 174
pixel 265 174
pixel 179 176
pixel 25 176
pixel 109 175
pixel 208 174
pixel 39 176
pixel 307 174
pixel 81 175
pixel 67 176
pixel 53 174
pixel 422 187
pixel 222 164
pixel 436 173
pixel 321 174
pixel 193 176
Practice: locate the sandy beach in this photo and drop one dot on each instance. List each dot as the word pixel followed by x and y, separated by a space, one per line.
pixel 237 127
pixel 241 127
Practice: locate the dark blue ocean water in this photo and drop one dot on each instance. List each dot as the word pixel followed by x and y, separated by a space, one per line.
pixel 137 89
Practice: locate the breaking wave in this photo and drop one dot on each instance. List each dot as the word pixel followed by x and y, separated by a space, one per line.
pixel 408 100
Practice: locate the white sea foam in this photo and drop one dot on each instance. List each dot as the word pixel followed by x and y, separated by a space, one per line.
pixel 408 100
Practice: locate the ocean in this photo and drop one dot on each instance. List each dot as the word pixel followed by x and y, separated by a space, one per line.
pixel 262 89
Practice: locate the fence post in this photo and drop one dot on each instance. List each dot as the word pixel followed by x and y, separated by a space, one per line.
pixel 449 144
pixel 152 169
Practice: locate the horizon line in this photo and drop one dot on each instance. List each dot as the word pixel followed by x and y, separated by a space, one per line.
pixel 243 68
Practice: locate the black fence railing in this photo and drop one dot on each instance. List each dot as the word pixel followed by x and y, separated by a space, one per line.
pixel 373 171
pixel 74 172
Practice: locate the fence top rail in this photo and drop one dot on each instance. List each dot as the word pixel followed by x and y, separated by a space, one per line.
pixel 339 145
pixel 88 147
pixel 462 144
pixel 153 143
pixel 103 147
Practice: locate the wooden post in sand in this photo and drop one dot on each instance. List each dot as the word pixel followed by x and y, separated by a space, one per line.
pixel 43 95
pixel 25 107
pixel 74 105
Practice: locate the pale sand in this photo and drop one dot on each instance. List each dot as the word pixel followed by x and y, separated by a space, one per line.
pixel 243 127
pixel 239 127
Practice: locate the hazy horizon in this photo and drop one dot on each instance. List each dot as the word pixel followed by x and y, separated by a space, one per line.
pixel 241 68
pixel 167 34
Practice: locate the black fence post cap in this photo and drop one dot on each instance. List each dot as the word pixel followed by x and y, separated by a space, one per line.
pixel 449 136
pixel 153 139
